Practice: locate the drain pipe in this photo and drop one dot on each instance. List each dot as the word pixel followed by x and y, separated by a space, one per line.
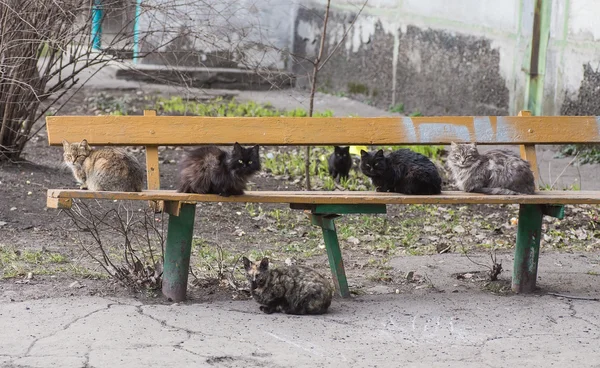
pixel 539 49
pixel 136 31
pixel 96 35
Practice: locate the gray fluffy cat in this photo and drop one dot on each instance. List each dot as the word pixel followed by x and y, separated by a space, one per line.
pixel 291 290
pixel 493 172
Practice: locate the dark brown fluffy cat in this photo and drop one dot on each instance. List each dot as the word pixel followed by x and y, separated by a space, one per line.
pixel 209 169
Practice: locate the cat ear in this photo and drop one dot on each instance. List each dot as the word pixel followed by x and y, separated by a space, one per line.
pixel 264 264
pixel 346 149
pixel 363 153
pixel 336 149
pixel 453 144
pixel 237 147
pixel 247 263
pixel 379 153
pixel 84 145
pixel 65 144
pixel 474 145
pixel 255 149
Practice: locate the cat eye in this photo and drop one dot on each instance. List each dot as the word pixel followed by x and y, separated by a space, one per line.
pixel 240 161
pixel 249 162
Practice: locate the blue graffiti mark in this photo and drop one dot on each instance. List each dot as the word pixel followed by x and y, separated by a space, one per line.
pixel 409 129
pixel 483 129
pixel 438 132
pixel 504 131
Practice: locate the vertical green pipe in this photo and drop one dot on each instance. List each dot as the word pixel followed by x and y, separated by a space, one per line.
pixel 527 251
pixel 539 51
pixel 136 31
pixel 177 253
pixel 97 25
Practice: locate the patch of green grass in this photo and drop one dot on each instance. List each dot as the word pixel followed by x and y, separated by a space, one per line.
pixel 415 114
pixel 15 262
pixel 222 107
pixel 593 273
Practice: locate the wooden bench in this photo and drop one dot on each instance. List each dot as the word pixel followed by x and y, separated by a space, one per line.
pixel 153 131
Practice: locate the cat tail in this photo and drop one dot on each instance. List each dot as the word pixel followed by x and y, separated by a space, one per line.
pixel 497 191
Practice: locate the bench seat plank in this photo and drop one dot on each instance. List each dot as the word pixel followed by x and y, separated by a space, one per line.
pixel 330 197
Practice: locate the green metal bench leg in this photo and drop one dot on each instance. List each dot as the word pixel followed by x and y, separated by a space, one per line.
pixel 177 253
pixel 336 263
pixel 527 251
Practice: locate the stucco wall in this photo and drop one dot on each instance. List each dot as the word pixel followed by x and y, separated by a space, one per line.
pixel 433 56
pixel 457 56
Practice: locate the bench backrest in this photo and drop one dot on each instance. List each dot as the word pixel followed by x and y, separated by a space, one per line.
pixel 153 131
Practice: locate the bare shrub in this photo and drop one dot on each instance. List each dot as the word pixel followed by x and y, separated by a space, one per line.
pixel 127 243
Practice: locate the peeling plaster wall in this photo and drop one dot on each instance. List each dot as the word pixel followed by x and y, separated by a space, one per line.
pixel 455 56
pixel 572 86
pixel 434 56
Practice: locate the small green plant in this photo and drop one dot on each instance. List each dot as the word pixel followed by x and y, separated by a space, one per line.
pixel 415 114
pixel 585 153
pixel 399 108
pixel 358 88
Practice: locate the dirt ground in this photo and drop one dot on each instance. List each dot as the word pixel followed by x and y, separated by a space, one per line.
pixel 41 253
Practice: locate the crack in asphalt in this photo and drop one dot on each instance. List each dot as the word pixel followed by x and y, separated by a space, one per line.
pixel 65 327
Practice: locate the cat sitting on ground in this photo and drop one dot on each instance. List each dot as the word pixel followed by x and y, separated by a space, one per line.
pixel 340 162
pixel 402 171
pixel 211 170
pixel 106 169
pixel 291 289
pixel 493 172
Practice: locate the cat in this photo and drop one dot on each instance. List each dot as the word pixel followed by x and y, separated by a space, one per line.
pixel 105 169
pixel 211 170
pixel 401 171
pixel 340 162
pixel 493 172
pixel 291 289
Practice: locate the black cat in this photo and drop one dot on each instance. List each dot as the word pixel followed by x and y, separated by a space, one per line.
pixel 340 162
pixel 402 171
pixel 211 170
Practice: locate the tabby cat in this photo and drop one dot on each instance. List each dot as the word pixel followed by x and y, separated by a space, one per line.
pixel 209 169
pixel 340 162
pixel 291 289
pixel 493 172
pixel 402 171
pixel 106 169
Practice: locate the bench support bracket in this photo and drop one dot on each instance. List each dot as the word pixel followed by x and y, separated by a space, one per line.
pixel 323 215
pixel 177 253
pixel 527 251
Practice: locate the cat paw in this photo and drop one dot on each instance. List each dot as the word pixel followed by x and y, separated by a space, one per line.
pixel 83 187
pixel 267 310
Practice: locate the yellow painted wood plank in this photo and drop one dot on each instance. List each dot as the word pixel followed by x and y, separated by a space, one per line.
pixel 55 202
pixel 326 197
pixel 528 153
pixel 193 130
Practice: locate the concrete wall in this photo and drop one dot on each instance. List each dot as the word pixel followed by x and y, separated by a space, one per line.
pixel 433 56
pixel 456 56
